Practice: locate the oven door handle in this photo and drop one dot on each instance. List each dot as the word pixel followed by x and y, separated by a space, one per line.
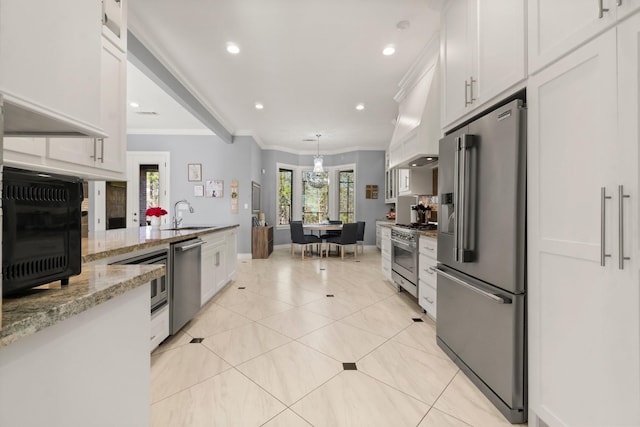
pixel 405 246
pixel 493 297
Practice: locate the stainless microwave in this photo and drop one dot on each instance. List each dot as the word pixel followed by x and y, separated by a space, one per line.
pixel 41 229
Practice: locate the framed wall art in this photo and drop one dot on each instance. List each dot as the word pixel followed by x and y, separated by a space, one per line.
pixel 194 172
pixel 214 188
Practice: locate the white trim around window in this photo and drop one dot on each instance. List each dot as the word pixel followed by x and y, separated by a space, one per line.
pixel 296 193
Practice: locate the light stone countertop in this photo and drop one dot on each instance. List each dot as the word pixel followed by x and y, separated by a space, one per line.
pixel 49 304
pixel 46 305
pixel 106 244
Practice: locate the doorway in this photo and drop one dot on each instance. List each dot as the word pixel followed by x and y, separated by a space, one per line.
pixel 148 175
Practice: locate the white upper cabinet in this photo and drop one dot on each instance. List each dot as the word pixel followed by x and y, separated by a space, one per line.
pixel 90 158
pixel 483 53
pixel 556 27
pixel 113 111
pixel 114 22
pixel 50 61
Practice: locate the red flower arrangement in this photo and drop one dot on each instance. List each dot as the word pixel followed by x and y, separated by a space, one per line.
pixel 157 211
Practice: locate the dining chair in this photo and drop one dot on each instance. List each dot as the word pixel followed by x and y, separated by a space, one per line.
pixel 299 238
pixel 349 236
pixel 360 238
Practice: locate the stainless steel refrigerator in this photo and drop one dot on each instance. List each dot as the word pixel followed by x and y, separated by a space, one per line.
pixel 481 255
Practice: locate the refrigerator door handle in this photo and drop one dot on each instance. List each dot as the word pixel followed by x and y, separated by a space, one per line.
pixel 464 255
pixel 603 198
pixel 621 197
pixel 456 199
pixel 493 297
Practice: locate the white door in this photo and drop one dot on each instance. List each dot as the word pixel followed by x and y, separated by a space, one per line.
pixel 135 159
pixel 583 317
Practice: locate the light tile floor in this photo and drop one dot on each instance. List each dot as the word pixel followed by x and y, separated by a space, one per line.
pixel 272 354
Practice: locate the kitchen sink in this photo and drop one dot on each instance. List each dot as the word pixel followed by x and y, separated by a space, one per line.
pixel 191 227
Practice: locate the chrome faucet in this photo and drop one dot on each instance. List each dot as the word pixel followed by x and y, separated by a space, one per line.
pixel 177 221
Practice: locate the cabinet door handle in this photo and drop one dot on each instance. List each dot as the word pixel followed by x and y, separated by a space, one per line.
pixel 471 82
pixel 621 197
pixel 601 9
pixel 94 150
pixel 101 158
pixel 467 85
pixel 603 198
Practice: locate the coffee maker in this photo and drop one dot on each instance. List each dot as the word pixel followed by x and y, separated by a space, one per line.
pixel 414 214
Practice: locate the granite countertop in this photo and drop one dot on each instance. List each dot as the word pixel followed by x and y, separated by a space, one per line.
pixel 49 304
pixel 429 233
pixel 105 244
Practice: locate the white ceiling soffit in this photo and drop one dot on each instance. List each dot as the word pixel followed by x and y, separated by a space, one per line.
pixel 157 112
pixel 308 62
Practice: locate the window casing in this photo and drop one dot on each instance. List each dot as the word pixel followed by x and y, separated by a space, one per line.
pixel 313 205
pixel 285 195
pixel 346 196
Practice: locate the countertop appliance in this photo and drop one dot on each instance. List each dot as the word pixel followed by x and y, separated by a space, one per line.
pixel 185 282
pixel 41 228
pixel 414 214
pixel 481 255
pixel 159 286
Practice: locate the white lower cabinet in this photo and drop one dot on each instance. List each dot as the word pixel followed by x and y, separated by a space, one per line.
pixel 385 243
pixel 213 267
pixel 427 278
pixel 159 326
pixel 231 255
pixel 583 293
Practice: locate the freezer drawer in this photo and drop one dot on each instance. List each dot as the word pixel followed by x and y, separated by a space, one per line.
pixel 485 337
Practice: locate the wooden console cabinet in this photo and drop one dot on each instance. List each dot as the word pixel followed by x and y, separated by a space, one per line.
pixel 261 242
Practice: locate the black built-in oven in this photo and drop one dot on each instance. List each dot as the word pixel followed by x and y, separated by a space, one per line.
pixel 41 229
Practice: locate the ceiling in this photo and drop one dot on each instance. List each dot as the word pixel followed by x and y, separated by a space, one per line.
pixel 309 62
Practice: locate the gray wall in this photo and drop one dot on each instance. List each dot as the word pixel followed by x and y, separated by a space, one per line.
pixel 244 161
pixel 369 170
pixel 238 161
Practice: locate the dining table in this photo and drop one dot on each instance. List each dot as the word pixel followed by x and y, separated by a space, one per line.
pixel 322 227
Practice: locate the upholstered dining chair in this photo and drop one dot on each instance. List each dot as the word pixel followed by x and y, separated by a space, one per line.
pixel 360 237
pixel 349 236
pixel 299 238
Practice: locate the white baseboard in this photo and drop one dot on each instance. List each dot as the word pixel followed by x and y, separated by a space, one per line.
pixel 244 256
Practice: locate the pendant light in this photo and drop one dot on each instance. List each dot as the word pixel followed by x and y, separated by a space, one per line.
pixel 317 159
pixel 318 178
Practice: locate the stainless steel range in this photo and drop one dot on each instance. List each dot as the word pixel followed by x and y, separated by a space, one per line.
pixel 404 258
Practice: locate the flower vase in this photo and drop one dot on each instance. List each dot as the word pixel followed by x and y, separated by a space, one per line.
pixel 155 223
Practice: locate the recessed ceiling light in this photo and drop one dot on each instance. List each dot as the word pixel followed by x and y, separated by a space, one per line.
pixel 414 164
pixel 259 106
pixel 360 107
pixel 429 158
pixel 134 104
pixel 233 48
pixel 389 50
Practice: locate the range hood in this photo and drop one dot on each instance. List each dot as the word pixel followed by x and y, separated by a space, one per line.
pixel 417 132
pixel 23 120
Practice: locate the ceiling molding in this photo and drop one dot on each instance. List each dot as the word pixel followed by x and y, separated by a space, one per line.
pixel 349 149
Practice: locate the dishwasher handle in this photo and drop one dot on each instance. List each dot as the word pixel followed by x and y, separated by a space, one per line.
pixel 195 244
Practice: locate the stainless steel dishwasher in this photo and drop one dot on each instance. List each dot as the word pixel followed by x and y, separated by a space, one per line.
pixel 185 283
